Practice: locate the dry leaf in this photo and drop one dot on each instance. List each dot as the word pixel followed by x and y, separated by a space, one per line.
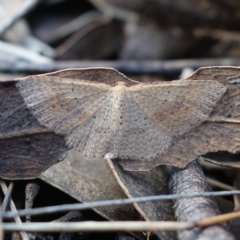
pixel 221 132
pixel 89 180
pixel 144 125
pixel 141 184
pixel 26 148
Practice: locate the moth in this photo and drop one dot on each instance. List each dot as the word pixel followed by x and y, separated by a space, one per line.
pixel 100 110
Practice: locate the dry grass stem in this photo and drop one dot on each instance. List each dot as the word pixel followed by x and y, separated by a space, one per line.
pixel 220 184
pixel 74 25
pixel 117 12
pixel 74 38
pixel 83 206
pixel 221 164
pixel 127 66
pixel 14 210
pixel 7 196
pixel 92 226
pixel 219 219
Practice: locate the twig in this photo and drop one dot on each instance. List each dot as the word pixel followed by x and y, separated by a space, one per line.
pixel 138 184
pixel 22 53
pixel 116 11
pixel 14 211
pixel 223 35
pixel 22 133
pixel 222 164
pixel 74 216
pixel 220 184
pixel 236 198
pixel 218 219
pixel 98 226
pixel 233 225
pixel 7 197
pixel 119 226
pixel 190 180
pixel 74 25
pixel 72 40
pixel 83 206
pixel 31 191
pixel 127 66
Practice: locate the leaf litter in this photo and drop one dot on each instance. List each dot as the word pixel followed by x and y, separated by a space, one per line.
pixel 89 180
pixel 230 75
pixel 26 147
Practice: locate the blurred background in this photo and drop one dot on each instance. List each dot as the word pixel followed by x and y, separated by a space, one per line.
pixel 168 38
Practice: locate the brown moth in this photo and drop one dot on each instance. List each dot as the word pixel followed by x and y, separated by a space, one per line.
pixel 99 111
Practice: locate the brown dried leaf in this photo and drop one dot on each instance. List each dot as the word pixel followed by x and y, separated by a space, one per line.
pixel 26 148
pixel 144 125
pixel 141 184
pixel 88 180
pixel 221 131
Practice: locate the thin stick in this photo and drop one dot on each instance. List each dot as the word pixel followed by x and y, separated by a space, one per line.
pixel 31 191
pixel 83 206
pixel 220 184
pixel 98 226
pixel 223 35
pixel 218 219
pixel 14 211
pixel 74 25
pixel 22 53
pixel 23 132
pixel 125 66
pixel 222 164
pixel 119 226
pixel 7 197
pixel 116 11
pixel 72 40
